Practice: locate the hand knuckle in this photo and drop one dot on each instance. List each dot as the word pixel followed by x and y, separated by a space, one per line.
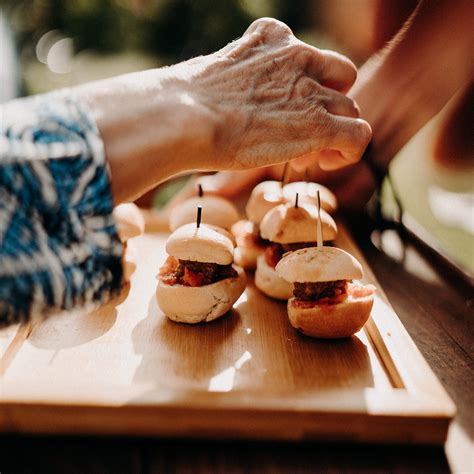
pixel 305 87
pixel 303 56
pixel 270 27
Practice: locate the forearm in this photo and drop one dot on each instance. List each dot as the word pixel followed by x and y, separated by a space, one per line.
pixel 153 126
pixel 405 85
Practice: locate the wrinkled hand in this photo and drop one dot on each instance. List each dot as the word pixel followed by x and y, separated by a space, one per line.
pixel 264 99
pixel 274 98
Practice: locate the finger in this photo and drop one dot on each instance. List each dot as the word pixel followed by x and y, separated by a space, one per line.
pixel 327 160
pixel 231 183
pixel 339 104
pixel 332 70
pixel 350 139
pixel 303 163
pixel 308 168
pixel 330 160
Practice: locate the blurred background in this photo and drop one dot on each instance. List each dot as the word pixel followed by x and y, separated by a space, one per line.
pixel 48 44
pixel 56 43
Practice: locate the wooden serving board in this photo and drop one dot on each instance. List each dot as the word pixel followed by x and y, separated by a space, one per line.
pixel 126 369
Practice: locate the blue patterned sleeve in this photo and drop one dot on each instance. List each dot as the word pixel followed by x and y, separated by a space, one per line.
pixel 59 247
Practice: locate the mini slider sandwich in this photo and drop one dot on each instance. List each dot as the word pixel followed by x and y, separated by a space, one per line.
pixel 288 228
pixel 326 303
pixel 264 197
pixel 130 223
pixel 218 211
pixel 198 282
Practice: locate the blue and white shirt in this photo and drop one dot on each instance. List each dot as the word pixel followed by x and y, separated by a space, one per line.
pixel 59 247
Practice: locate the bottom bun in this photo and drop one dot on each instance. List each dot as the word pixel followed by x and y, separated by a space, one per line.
pixel 268 281
pixel 188 304
pixel 331 321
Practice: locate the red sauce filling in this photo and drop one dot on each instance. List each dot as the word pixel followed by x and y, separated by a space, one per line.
pixel 352 289
pixel 274 252
pixel 189 273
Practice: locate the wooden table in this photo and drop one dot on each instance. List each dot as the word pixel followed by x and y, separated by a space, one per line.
pixel 437 312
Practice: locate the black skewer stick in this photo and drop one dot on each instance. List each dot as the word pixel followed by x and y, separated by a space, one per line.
pixel 296 200
pixel 200 191
pixel 319 233
pixel 198 216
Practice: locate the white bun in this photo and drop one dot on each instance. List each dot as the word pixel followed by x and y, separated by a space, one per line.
pixel 247 250
pixel 268 281
pixel 307 192
pixel 222 231
pixel 287 224
pixel 215 210
pixel 265 196
pixel 206 243
pixel 129 221
pixel 331 321
pixel 315 264
pixel 187 304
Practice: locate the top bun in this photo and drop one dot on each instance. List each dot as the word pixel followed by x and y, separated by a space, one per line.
pixel 307 192
pixel 129 220
pixel 215 211
pixel 315 264
pixel 287 224
pixel 265 196
pixel 206 243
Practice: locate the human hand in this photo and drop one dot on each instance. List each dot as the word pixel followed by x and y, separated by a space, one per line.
pixel 398 90
pixel 266 98
pixel 276 99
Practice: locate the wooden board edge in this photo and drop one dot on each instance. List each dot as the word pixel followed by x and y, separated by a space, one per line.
pixel 230 424
pixel 402 360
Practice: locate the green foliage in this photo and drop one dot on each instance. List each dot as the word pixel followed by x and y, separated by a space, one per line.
pixel 170 29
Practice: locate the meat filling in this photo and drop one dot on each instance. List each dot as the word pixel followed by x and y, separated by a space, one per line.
pixel 189 273
pixel 316 291
pixel 274 252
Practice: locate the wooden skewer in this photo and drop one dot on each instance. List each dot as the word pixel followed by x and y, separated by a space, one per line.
pixel 198 216
pixel 286 174
pixel 200 191
pixel 306 174
pixel 319 233
pixel 296 200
